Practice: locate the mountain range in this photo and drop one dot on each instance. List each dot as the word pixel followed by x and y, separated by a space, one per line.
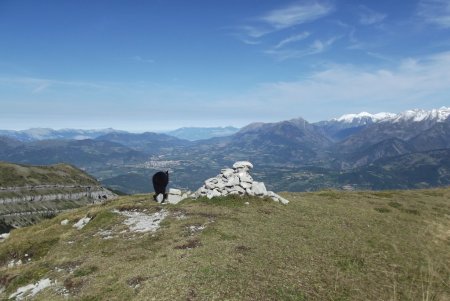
pixel 355 150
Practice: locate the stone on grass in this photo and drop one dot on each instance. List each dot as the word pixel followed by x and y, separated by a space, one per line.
pixel 82 222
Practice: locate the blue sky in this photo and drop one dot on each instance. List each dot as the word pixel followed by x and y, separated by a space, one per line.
pixel 157 65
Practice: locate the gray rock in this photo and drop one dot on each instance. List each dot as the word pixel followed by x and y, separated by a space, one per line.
pixel 239 189
pixel 174 191
pixel 82 222
pixel 249 192
pixel 245 177
pixel 174 198
pixel 259 188
pixel 160 198
pixel 227 172
pixel 232 181
pixel 242 164
pixel 283 200
pixel 213 193
pixel 211 180
pixel 246 185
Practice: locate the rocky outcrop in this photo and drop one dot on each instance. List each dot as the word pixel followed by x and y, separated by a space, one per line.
pixel 236 181
pixel 31 194
pixel 25 205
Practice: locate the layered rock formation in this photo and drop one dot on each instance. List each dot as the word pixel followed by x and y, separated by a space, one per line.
pixel 236 181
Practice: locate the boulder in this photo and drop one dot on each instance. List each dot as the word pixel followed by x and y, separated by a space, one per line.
pixel 259 189
pixel 175 196
pixel 242 164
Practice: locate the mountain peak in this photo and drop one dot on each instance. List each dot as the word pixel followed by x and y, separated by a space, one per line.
pixel 417 115
pixel 364 117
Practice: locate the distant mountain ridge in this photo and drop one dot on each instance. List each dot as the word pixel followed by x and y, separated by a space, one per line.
pixel 292 154
pixel 34 134
pixel 201 133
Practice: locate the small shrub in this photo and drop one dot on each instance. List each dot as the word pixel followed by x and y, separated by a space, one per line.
pixel 395 205
pixel 190 244
pixel 84 271
pixel 411 211
pixel 382 209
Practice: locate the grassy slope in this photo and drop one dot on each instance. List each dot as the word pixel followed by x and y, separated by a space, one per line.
pixel 63 174
pixel 322 246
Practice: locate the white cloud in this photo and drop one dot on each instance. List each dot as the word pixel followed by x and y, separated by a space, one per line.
pixel 286 17
pixel 318 46
pixel 297 14
pixel 340 89
pixel 436 12
pixel 368 16
pixel 292 39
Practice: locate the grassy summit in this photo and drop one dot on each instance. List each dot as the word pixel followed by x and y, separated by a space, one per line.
pixel 322 246
pixel 26 175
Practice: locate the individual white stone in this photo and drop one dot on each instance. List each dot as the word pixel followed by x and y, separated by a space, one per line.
pixel 82 222
pixel 25 292
pixel 174 198
pixel 4 236
pixel 210 185
pixel 227 172
pixel 250 192
pixel 245 177
pixel 247 203
pixel 220 185
pixel 283 200
pixel 232 181
pixel 211 180
pixel 213 193
pixel 239 189
pixel 242 164
pixel 246 185
pixel 259 188
pixel 160 198
pixel 65 222
pixel 174 191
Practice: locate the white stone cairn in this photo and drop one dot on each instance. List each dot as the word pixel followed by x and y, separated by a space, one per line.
pixel 236 181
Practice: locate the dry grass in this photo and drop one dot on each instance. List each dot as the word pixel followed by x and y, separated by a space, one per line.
pixel 322 246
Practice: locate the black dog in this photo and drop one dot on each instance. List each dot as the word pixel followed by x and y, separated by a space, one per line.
pixel 160 181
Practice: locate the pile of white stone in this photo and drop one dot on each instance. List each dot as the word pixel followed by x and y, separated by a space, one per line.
pixel 236 181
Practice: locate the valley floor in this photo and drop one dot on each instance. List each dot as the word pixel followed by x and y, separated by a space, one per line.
pixel 328 245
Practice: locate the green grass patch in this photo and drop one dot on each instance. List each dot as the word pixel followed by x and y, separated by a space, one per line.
pixel 382 209
pixel 84 271
pixel 328 245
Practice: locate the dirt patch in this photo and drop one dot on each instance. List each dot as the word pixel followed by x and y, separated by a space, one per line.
pixel 242 249
pixel 190 244
pixel 135 282
pixel 73 285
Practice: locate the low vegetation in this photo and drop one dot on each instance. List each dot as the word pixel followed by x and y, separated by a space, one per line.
pixel 58 174
pixel 329 245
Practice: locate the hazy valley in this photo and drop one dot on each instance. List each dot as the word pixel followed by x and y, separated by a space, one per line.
pixel 355 151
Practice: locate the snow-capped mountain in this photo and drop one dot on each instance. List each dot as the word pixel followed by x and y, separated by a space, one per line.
pixel 417 115
pixel 364 118
pixel 414 115
pixel 349 124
